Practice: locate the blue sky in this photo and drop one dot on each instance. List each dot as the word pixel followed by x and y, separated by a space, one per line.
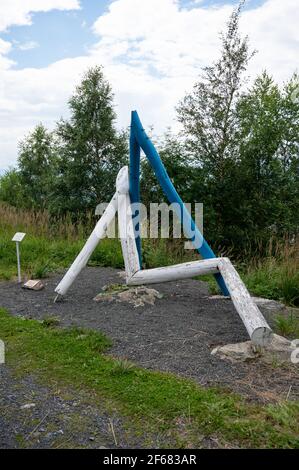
pixel 56 34
pixel 152 52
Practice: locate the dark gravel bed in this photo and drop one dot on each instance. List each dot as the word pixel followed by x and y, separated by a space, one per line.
pixel 176 334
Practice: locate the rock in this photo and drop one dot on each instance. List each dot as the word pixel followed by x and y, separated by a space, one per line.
pixel 239 352
pixel 33 284
pixel 279 349
pixel 268 304
pixel 137 296
pixel 122 274
pixel 27 406
pixel 51 435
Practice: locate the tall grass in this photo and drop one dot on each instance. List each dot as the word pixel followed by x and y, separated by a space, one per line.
pixel 275 275
pixel 41 224
pixel 50 243
pixel 53 243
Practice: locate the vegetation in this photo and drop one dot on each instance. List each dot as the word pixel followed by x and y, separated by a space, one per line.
pixel 70 170
pixel 244 149
pixel 238 154
pixel 287 325
pixel 151 401
pixel 51 245
pixel 276 276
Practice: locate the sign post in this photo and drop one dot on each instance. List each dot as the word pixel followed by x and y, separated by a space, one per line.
pixel 18 237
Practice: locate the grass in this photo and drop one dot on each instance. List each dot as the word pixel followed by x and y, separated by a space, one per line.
pixel 150 402
pixel 275 276
pixel 40 256
pixel 287 325
pixel 53 244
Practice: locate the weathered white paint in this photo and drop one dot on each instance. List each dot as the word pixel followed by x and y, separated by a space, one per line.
pixel 175 272
pixel 125 224
pixel 255 324
pixel 84 255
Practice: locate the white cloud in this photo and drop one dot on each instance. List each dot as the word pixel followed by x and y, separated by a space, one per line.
pixel 27 46
pixel 18 12
pixel 152 53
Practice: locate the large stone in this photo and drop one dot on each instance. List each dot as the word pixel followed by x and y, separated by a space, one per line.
pixel 137 296
pixel 238 352
pixel 279 349
pixel 268 304
pixel 33 284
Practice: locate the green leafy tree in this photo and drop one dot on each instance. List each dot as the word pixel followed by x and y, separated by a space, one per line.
pixel 174 156
pixel 210 125
pixel 267 176
pixel 91 149
pixel 11 188
pixel 208 113
pixel 37 167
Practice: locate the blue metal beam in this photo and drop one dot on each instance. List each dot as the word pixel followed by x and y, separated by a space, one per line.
pixel 140 139
pixel 134 173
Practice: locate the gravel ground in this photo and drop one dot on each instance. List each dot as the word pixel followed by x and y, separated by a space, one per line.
pixel 176 335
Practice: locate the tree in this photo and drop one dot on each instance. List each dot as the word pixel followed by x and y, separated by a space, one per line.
pixel 91 149
pixel 176 161
pixel 268 172
pixel 210 126
pixel 208 113
pixel 37 166
pixel 11 188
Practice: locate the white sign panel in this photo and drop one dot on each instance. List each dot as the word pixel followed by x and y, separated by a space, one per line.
pixel 18 237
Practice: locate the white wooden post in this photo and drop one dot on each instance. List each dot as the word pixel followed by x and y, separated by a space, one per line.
pixel 125 224
pixel 18 262
pixel 257 327
pixel 175 272
pixel 18 237
pixel 86 252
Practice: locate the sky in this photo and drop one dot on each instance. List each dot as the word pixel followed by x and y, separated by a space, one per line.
pixel 152 52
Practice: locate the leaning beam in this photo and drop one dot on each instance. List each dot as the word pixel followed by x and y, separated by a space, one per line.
pixel 169 190
pixel 256 326
pixel 80 262
pixel 125 224
pixel 134 183
pixel 175 272
pixel 254 322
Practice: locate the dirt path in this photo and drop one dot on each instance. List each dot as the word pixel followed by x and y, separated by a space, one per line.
pixel 176 334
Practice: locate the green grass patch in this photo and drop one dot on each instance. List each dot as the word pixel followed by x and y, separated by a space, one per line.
pixel 275 278
pixel 287 325
pixel 41 256
pixel 153 402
